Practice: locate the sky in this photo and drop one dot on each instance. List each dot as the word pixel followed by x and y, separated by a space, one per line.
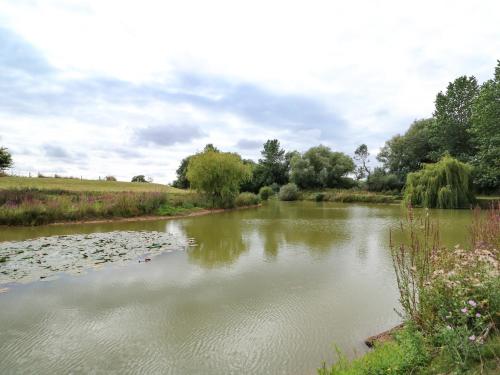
pixel 113 87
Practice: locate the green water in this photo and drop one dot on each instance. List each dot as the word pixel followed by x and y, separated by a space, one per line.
pixel 265 291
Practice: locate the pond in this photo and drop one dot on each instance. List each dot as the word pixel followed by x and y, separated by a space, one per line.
pixel 268 290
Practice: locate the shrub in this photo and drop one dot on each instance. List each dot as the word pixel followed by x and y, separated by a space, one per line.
pixel 139 178
pixel 380 180
pixel 275 187
pixel 265 192
pixel 289 192
pixel 445 184
pixel 247 199
pixel 110 178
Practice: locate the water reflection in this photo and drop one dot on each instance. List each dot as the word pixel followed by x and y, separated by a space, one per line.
pixel 216 245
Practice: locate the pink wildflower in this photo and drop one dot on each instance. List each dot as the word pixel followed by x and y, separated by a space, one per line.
pixel 464 310
pixel 478 315
pixel 472 338
pixel 472 303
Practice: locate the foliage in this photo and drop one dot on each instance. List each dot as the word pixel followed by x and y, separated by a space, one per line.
pixel 36 207
pixel 289 192
pixel 320 167
pixel 450 133
pixel 452 295
pixel 450 300
pixel 348 196
pixel 446 184
pixel 218 175
pixel 265 192
pixel 5 159
pixel 380 180
pixel 247 199
pixel 407 153
pixel 139 178
pixel 404 355
pixel 361 157
pixel 485 131
pixel 111 178
pixel 182 181
pixel 272 168
pixel 252 184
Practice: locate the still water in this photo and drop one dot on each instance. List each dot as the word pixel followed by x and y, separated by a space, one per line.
pixel 269 290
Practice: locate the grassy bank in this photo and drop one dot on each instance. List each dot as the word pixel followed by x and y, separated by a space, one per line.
pixel 348 196
pixel 37 201
pixel 37 207
pixel 450 303
pixel 73 184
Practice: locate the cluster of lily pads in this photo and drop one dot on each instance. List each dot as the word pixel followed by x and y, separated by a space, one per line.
pixel 42 258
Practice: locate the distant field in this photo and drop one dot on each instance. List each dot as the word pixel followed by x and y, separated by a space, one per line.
pixel 83 185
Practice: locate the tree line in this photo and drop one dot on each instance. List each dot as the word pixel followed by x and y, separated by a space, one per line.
pixel 458 145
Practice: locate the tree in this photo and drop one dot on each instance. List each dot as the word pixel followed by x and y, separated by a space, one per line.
pixel 139 178
pixel 218 175
pixel 450 133
pixel 445 184
pixel 361 156
pixel 485 131
pixel 182 181
pixel 272 168
pixel 5 159
pixel 407 153
pixel 320 167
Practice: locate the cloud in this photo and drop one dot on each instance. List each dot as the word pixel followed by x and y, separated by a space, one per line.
pixel 164 82
pixel 58 153
pixel 166 135
pixel 248 144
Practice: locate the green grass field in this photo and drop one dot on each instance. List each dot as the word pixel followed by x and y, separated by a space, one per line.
pixel 83 185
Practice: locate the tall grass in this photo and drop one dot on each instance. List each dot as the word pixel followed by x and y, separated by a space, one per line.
pixel 36 207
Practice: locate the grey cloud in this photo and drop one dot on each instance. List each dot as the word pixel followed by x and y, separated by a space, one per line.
pixel 248 144
pixel 166 135
pixel 58 153
pixel 30 87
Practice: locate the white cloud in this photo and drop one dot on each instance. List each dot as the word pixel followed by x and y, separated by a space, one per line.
pixel 368 67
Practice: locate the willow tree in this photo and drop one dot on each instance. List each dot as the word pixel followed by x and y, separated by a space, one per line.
pixel 445 184
pixel 218 175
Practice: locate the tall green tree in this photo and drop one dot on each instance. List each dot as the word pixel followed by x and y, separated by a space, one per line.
pixel 361 156
pixel 406 153
pixel 5 159
pixel 218 175
pixel 320 167
pixel 272 167
pixel 485 131
pixel 450 133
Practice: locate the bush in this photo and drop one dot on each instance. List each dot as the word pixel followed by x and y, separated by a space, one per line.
pixel 289 192
pixel 247 199
pixel 380 180
pixel 110 178
pixel 265 192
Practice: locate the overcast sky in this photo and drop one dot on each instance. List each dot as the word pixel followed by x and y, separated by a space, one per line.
pixel 97 87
